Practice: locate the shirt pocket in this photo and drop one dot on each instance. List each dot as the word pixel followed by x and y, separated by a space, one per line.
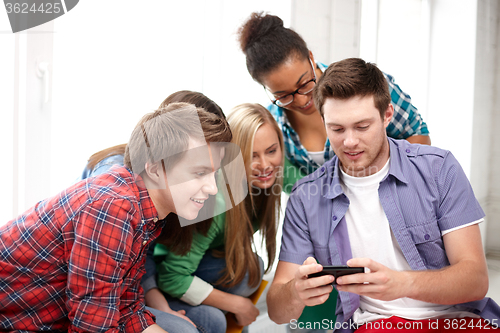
pixel 322 255
pixel 429 243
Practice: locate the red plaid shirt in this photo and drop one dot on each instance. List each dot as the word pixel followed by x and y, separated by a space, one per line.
pixel 74 262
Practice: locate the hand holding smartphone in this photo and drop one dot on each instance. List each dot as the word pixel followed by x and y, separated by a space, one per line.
pixel 337 271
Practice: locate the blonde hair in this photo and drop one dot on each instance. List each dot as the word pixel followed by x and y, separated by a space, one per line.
pixel 163 135
pixel 245 120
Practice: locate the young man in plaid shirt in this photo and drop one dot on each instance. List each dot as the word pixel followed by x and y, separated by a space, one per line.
pixel 74 262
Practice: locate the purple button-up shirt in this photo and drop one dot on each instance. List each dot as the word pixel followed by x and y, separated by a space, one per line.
pixel 424 193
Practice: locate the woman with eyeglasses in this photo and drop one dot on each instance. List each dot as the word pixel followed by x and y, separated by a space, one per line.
pixel 278 59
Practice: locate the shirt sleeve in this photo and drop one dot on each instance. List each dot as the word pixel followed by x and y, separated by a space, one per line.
pixel 98 261
pixel 406 121
pixel 296 243
pixel 197 292
pixel 457 205
pixel 175 272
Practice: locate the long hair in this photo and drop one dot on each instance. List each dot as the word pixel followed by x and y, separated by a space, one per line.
pixel 176 238
pixel 263 207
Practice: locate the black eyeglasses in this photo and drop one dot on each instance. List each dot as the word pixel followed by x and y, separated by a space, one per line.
pixel 287 99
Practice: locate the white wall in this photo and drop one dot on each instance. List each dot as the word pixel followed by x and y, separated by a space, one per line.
pixel 486 52
pixel 451 76
pixel 331 28
pixel 401 35
pixel 7 123
pixel 486 153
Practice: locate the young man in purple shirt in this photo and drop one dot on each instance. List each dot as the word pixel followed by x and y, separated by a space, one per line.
pixel 406 213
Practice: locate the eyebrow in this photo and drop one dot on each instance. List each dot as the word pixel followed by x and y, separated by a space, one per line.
pixel 296 83
pixel 201 167
pixel 272 146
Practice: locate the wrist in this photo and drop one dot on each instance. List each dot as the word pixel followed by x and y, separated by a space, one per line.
pixel 295 299
pixel 408 287
pixel 237 302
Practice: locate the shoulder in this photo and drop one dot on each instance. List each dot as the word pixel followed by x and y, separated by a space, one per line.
pixel 276 111
pixel 105 165
pixel 424 160
pixel 414 151
pixel 388 77
pixel 218 224
pixel 321 66
pixel 118 183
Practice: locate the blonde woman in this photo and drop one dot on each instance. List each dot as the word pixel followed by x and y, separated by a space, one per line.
pixel 222 269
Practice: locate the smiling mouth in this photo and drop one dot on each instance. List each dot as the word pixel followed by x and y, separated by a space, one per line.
pixel 265 176
pixel 307 105
pixel 198 201
pixel 353 154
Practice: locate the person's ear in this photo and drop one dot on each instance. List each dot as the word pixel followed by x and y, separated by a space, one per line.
pixel 389 112
pixel 155 173
pixel 312 57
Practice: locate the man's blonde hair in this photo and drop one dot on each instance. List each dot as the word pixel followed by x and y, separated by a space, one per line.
pixel 164 134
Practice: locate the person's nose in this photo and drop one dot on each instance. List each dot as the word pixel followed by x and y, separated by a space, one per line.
pixel 263 164
pixel 350 140
pixel 210 186
pixel 301 100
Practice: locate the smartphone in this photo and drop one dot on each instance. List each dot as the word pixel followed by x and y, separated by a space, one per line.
pixel 337 271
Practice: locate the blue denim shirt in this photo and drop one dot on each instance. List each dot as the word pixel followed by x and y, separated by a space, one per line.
pixel 102 166
pixel 424 193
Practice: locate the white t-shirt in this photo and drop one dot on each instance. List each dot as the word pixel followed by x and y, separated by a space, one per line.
pixel 370 236
pixel 317 156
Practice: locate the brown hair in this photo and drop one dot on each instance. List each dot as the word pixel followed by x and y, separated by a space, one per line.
pixel 267 44
pixel 263 207
pixel 195 98
pixel 350 78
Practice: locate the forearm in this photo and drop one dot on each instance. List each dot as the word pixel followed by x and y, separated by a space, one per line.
pixel 421 139
pixel 282 303
pixel 155 299
pixel 221 300
pixel 463 282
